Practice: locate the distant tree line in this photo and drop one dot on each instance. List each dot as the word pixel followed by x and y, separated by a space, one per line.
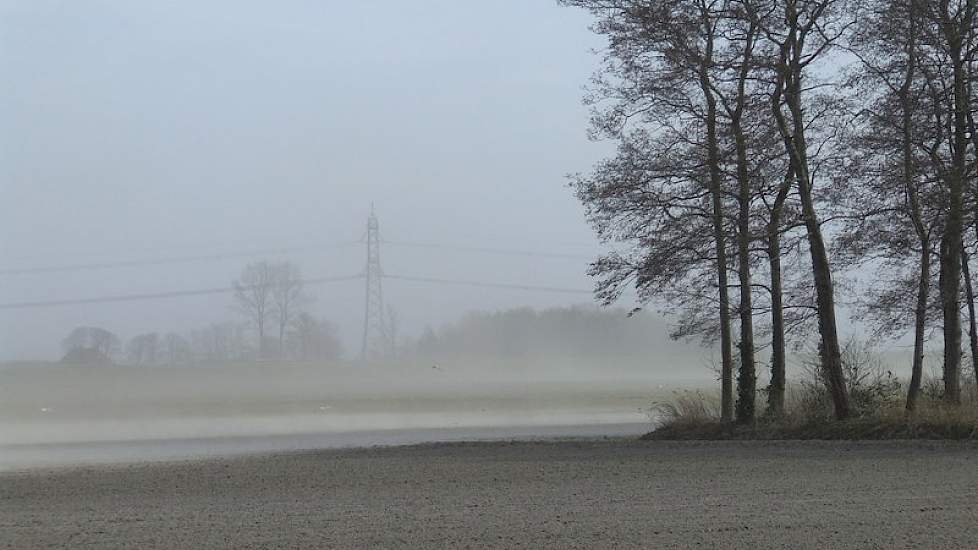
pixel 522 332
pixel 90 345
pixel 307 339
pixel 754 176
pixel 268 295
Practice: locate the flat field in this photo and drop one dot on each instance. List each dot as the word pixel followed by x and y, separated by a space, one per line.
pixel 569 494
pixel 52 403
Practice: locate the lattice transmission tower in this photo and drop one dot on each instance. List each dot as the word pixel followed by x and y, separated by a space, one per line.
pixel 376 336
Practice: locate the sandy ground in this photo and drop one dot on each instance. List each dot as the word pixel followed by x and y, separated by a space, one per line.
pixel 577 494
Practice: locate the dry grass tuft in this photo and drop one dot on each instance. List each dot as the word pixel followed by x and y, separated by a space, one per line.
pixel 688 407
pixel 695 415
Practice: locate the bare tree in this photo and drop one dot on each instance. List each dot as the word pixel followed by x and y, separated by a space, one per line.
pixel 98 340
pixel 893 184
pixel 969 292
pixel 176 349
pixel 739 33
pixel 920 54
pixel 684 90
pixel 802 32
pixel 314 339
pixel 953 29
pixel 253 297
pixel 773 228
pixel 287 296
pixel 144 348
pixel 669 176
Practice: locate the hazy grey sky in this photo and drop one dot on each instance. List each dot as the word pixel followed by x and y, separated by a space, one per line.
pixel 139 130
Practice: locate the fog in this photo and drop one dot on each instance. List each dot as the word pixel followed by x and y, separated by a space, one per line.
pixel 153 150
pixel 142 131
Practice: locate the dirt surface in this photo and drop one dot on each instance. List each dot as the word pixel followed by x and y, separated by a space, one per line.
pixel 606 494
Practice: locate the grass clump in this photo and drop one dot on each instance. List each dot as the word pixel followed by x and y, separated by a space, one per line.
pixel 877 399
pixel 805 418
pixel 932 420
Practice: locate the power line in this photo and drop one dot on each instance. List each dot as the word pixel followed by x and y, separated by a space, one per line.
pixel 152 295
pixel 489 250
pixel 485 284
pixel 61 268
pixel 169 260
pixel 313 281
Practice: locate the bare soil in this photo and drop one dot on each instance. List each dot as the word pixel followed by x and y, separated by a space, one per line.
pixel 564 494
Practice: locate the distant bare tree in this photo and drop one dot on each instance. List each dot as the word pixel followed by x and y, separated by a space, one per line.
pixel 287 295
pixel 101 341
pixel 176 349
pixel 144 348
pixel 253 296
pixel 220 341
pixel 314 339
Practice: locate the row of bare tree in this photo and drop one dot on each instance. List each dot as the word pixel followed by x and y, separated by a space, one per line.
pixel 266 294
pixel 771 150
pixel 216 343
pixel 307 339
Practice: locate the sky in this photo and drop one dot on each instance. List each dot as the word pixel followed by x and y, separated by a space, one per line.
pixel 147 130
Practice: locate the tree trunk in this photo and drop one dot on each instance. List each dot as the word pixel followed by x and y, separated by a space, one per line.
pixel 775 394
pixel 970 297
pixel 825 300
pixel 916 212
pixel 920 322
pixel 952 240
pixel 794 135
pixel 726 351
pixel 281 341
pixel 747 376
pixel 716 195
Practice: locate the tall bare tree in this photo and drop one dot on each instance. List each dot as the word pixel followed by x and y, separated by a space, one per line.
pixel 287 296
pixel 669 175
pixel 253 297
pixel 803 32
pixel 735 36
pixel 895 206
pixel 952 29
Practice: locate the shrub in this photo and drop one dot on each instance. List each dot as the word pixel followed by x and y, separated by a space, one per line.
pixel 687 408
pixel 877 399
pixel 871 386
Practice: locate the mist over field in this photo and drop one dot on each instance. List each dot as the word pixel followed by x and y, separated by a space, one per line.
pixel 162 161
pixel 518 369
pixel 241 131
pixel 154 153
pixel 511 273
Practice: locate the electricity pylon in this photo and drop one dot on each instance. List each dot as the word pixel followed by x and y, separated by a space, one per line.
pixel 376 337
